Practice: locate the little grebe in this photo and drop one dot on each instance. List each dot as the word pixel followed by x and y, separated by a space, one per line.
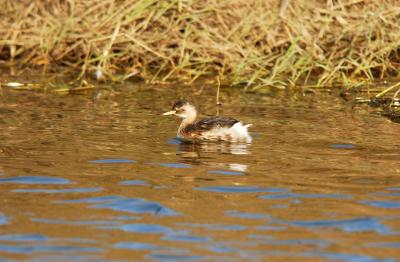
pixel 212 128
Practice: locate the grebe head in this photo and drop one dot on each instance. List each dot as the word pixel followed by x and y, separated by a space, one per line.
pixel 183 109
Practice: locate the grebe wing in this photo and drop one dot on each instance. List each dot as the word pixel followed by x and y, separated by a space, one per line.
pixel 214 122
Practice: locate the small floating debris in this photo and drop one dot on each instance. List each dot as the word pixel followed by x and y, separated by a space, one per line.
pixel 13 84
pixel 378 101
pixel 361 100
pixel 20 86
pixel 393 115
pixel 78 86
pixel 342 146
pixel 81 86
pixel 387 106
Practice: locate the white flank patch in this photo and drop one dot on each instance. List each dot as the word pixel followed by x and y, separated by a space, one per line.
pixel 237 133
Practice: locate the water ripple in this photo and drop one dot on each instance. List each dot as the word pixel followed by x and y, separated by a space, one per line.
pixel 222 249
pixel 93 199
pixel 75 222
pixel 383 204
pixel 348 225
pixel 342 146
pixel 214 226
pixel 271 228
pixel 112 161
pixel 3 219
pixel 132 205
pixel 33 249
pixel 35 180
pixel 295 195
pixel 134 183
pixel 239 189
pixel 186 238
pixel 296 242
pixel 146 246
pixel 385 245
pixel 146 228
pixel 136 246
pixel 168 257
pixel 348 257
pixel 172 165
pixel 228 173
pixel 58 191
pixel 235 213
pixel 23 238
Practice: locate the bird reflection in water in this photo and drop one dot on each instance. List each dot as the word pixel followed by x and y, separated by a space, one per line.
pixel 194 151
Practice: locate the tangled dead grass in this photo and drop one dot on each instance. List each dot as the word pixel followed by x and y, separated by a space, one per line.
pixel 246 42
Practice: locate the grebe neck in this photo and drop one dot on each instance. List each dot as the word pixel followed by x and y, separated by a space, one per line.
pixel 187 121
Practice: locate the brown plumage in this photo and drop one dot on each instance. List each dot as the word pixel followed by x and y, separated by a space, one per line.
pixel 208 124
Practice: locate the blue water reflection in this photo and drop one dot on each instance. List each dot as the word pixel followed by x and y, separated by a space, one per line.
pixel 342 146
pixel 147 246
pixel 44 180
pixel 215 227
pixel 170 253
pixel 309 195
pixel 146 229
pixel 23 238
pixel 346 257
pixel 103 223
pixel 225 172
pixel 132 205
pixel 58 191
pixel 186 238
pixel 348 225
pixel 3 219
pixel 271 228
pixel 222 249
pixel 235 213
pixel 40 248
pixel 68 256
pixel 136 246
pixel 32 243
pixel 134 183
pixel 385 244
pixel 295 242
pixel 383 204
pixel 172 165
pixel 393 188
pixel 168 257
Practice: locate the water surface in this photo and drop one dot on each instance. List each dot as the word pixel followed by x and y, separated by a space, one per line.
pixel 100 176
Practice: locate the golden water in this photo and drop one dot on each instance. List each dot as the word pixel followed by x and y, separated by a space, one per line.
pixel 99 176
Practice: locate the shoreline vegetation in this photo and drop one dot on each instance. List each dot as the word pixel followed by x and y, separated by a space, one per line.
pixel 252 43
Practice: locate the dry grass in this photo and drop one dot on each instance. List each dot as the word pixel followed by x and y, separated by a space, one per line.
pixel 243 42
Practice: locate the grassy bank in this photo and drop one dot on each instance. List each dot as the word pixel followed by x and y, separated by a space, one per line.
pixel 245 42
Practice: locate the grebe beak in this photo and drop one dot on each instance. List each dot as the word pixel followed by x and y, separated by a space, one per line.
pixel 173 112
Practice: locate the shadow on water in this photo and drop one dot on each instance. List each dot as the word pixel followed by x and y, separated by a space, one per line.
pixel 100 176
